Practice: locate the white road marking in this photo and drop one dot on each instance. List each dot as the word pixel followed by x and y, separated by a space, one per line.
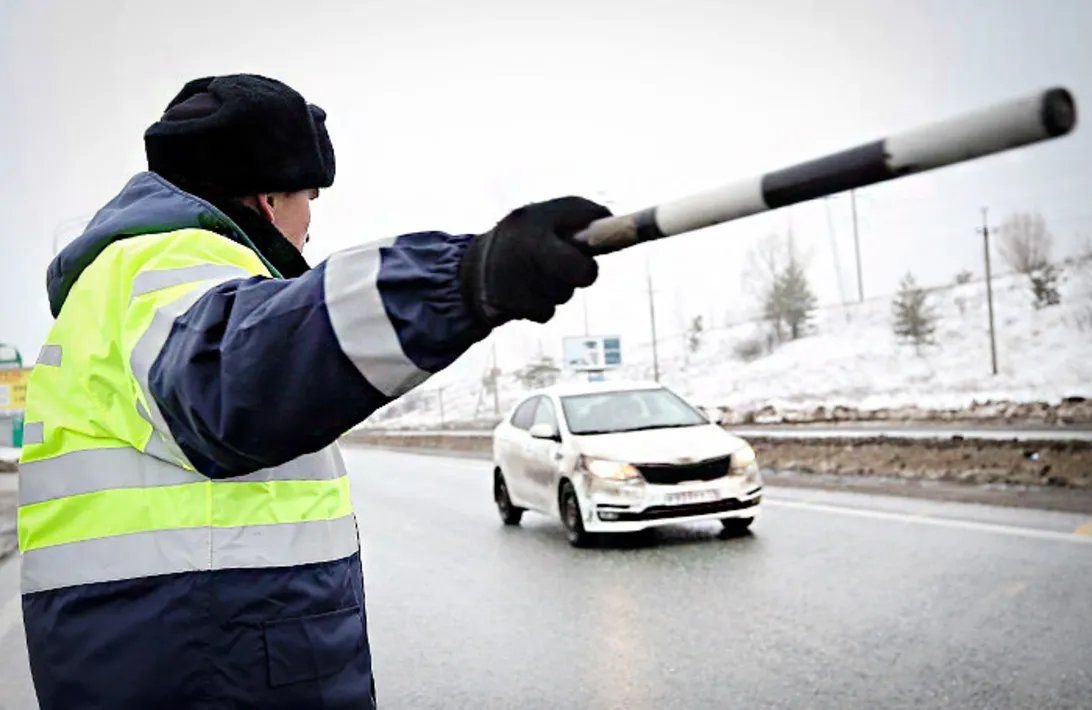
pixel 1081 535
pixel 937 522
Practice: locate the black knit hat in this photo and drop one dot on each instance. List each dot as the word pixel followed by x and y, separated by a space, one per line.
pixel 239 135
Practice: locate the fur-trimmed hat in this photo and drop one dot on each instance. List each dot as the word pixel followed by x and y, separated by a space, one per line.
pixel 241 134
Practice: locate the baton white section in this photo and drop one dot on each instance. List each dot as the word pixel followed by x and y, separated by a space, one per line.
pixel 715 206
pixel 361 324
pixel 982 132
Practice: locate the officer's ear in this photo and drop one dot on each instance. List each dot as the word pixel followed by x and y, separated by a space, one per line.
pixel 263 203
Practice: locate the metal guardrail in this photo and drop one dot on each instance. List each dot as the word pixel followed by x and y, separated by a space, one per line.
pixel 799 432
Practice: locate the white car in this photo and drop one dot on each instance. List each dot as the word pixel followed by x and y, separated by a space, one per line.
pixel 620 457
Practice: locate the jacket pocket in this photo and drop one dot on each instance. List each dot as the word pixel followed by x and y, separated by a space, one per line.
pixel 310 647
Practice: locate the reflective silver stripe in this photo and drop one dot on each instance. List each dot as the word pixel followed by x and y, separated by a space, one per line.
pixel 96 470
pixel 33 433
pixel 148 281
pixel 323 465
pixel 147 350
pixel 159 446
pixel 360 321
pixel 106 469
pixel 123 557
pixel 50 355
pixel 188 550
pixel 285 544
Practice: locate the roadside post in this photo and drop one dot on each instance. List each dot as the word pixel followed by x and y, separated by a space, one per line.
pixel 13 391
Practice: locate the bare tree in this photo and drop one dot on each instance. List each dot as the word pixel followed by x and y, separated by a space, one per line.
pixel 538 373
pixel 1025 242
pixel 1084 289
pixel 1085 252
pixel 764 263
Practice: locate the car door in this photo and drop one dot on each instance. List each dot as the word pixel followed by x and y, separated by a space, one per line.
pixel 543 456
pixel 515 454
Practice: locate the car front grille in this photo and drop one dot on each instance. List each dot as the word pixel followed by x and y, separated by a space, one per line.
pixel 659 512
pixel 670 474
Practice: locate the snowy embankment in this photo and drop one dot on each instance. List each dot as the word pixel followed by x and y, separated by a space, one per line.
pixel 852 359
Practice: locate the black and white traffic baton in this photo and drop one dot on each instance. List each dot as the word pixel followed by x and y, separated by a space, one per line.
pixel 1045 115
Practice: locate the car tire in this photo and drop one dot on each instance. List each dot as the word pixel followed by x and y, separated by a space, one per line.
pixel 510 513
pixel 571 517
pixel 736 526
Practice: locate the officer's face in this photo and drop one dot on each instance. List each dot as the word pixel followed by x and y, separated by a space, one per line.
pixel 292 214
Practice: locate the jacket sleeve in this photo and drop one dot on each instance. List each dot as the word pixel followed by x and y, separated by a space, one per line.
pixel 258 371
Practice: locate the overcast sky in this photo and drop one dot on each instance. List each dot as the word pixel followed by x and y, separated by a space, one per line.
pixel 445 115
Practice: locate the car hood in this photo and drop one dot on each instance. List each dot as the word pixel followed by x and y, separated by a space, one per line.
pixel 681 445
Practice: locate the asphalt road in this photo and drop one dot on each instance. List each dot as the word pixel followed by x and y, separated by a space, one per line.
pixel 835 601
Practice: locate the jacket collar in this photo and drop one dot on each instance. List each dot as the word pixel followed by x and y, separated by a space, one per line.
pixel 149 204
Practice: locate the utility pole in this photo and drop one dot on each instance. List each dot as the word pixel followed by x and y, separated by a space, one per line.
pixel 857 246
pixel 652 320
pixel 440 392
pixel 834 252
pixel 985 231
pixel 496 383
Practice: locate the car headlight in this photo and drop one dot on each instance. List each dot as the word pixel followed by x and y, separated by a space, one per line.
pixel 744 463
pixel 611 470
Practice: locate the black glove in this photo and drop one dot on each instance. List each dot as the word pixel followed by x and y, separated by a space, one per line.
pixel 526 265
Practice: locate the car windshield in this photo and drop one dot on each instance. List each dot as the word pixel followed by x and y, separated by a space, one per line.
pixel 629 410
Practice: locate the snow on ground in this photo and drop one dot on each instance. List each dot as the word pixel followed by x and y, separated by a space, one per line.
pixel 854 358
pixel 851 357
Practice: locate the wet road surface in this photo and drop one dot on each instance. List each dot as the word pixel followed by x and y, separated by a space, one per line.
pixel 835 601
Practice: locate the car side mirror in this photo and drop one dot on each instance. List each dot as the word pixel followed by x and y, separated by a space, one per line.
pixel 545 431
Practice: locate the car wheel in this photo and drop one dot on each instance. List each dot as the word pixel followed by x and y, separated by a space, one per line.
pixel 571 517
pixel 510 514
pixel 736 526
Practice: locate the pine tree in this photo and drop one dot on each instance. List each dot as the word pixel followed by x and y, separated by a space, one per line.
pixel 1044 286
pixel 791 300
pixel 776 269
pixel 694 334
pixel 915 319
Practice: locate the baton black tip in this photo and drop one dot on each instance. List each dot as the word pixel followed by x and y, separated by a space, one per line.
pixel 1059 112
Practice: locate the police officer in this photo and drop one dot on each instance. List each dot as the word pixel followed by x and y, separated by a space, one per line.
pixel 185 522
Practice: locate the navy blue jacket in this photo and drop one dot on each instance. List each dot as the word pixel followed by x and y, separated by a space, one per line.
pixel 251 376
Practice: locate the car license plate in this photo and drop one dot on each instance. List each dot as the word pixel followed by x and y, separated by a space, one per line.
pixel 683 497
